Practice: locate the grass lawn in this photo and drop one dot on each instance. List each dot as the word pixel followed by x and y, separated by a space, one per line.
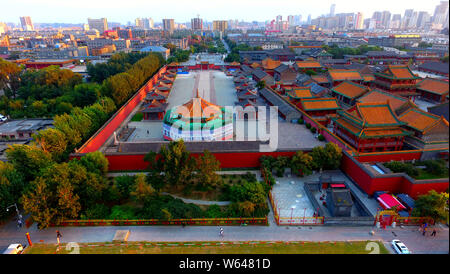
pixel 137 117
pixel 357 247
pixel 423 175
pixel 209 195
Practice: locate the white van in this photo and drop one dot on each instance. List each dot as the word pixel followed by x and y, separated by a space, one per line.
pixel 14 249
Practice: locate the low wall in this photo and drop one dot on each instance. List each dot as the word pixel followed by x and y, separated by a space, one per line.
pixel 106 131
pixel 212 146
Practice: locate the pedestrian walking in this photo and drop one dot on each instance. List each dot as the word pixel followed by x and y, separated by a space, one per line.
pixel 424 231
pixel 58 236
pixel 221 232
pixel 19 223
pixel 433 233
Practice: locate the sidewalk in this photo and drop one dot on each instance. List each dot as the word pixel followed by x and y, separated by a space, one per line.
pixel 409 235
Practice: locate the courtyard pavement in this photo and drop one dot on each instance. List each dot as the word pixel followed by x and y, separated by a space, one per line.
pixel 288 192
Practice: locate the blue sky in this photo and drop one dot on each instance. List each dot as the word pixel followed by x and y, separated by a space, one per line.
pixel 70 11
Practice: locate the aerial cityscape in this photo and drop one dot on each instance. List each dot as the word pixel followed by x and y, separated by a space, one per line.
pixel 239 127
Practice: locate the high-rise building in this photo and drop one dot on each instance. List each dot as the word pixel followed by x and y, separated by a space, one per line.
pixel 385 19
pixel 377 16
pixel 99 24
pixel 3 28
pixel 220 25
pixel 290 20
pixel 441 13
pixel 139 23
pixel 26 23
pixel 168 25
pixel 197 24
pixel 396 21
pixel 413 20
pixel 359 21
pixel 279 18
pixel 332 9
pixel 144 23
pixel 422 19
pixel 407 18
pixel 308 21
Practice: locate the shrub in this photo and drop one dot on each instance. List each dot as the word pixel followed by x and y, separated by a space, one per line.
pixel 137 117
pixel 408 168
pixel 436 167
pixel 98 211
pixel 321 138
pixel 122 212
pixel 301 121
pixel 124 184
pixel 308 125
pixel 313 129
pixel 214 211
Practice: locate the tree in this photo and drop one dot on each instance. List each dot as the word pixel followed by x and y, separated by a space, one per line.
pixel 176 164
pixel 207 166
pixel 51 197
pixel 171 47
pixel 9 78
pixel 95 162
pixel 261 84
pixel 51 141
pixel 141 189
pixel 301 163
pixel 28 160
pixel 328 157
pixel 433 204
pixel 11 186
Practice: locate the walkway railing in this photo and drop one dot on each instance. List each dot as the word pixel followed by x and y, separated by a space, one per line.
pixel 199 221
pixel 301 220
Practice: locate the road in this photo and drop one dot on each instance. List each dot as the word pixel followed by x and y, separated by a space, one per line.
pixel 226 46
pixel 412 238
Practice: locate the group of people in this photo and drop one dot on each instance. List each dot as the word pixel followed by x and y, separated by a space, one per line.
pixel 424 228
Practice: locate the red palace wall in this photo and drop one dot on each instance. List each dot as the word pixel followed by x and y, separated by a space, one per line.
pixel 99 138
pixel 388 156
pixel 396 183
pixel 124 162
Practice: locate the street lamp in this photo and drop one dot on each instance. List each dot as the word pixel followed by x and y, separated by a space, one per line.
pixel 17 210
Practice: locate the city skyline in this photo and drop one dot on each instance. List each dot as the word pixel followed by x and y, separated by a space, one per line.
pixel 182 11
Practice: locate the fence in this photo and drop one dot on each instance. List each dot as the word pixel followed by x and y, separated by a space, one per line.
pixel 200 221
pixel 294 220
pixel 413 220
pixel 301 220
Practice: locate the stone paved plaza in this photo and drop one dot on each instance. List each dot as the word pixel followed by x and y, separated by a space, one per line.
pixel 286 195
pixel 290 198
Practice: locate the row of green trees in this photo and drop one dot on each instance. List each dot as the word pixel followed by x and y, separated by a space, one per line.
pixel 327 157
pixel 119 62
pixel 54 91
pixel 338 53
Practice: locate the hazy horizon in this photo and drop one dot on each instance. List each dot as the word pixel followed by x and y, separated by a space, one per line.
pixel 77 12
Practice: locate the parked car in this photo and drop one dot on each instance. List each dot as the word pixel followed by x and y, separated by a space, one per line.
pixel 400 247
pixel 3 118
pixel 14 249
